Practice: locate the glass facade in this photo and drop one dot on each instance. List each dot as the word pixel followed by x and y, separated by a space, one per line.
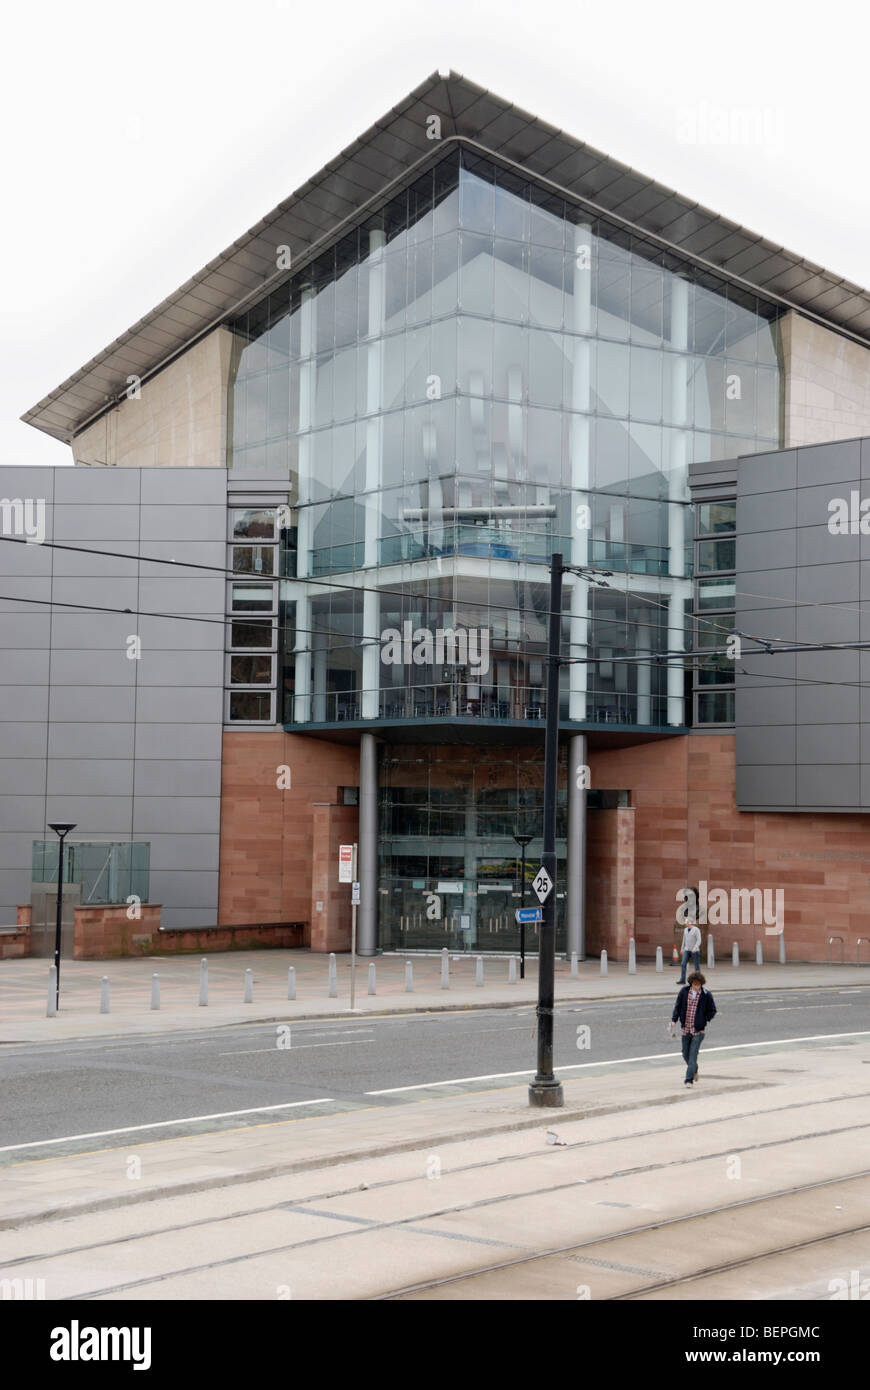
pixel 478 375
pixel 109 872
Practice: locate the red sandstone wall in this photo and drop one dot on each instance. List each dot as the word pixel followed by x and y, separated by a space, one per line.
pixel 610 881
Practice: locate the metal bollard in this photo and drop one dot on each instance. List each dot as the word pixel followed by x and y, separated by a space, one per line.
pixel 249 986
pixel 373 984
pixel 711 954
pixel 203 982
pixel 660 964
pixel 155 991
pixel 409 977
pixel 512 970
pixel 291 982
pixel 478 971
pixel 782 948
pixel 51 1001
pixel 445 969
pixel 104 995
pixel 632 959
pixel 759 956
pixel 575 973
pixel 333 978
pixel 735 955
pixel 604 962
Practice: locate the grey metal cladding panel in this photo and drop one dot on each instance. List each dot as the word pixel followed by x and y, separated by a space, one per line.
pixel 20 739
pixel 832 623
pixel 70 667
pixel 74 524
pixel 180 594
pixel 90 777
pixel 95 593
pixel 29 482
pixel 194 668
pixel 16 852
pixel 821 786
pixel 97 817
pixel 90 704
pixel 179 705
pixel 106 486
pixel 828 584
pixel 17 589
pixel 90 631
pixel 206 523
pixel 829 463
pixel 865 458
pixel 211 554
pixel 759 668
pixel 179 741
pixel 829 743
pixel 27 560
pixel 773 472
pixel 178 777
pixel 176 487
pixel 768 511
pixel 197 814
pixel 22 814
pixel 864 573
pixel 766 785
pixel 24 703
pixel 763 744
pixel 178 634
pixel 829 667
pixel 184 851
pixel 28 667
pixel 764 589
pixel 772 550
pixel 773 703
pixel 193 888
pixel 182 918
pixel 816 547
pixel 77 740
pixel 22 776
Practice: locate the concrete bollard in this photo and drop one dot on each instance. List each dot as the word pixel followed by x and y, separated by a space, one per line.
pixel 51 1001
pixel 735 955
pixel 478 972
pixel 373 983
pixel 409 977
pixel 660 964
pixel 333 978
pixel 604 962
pixel 249 986
pixel 104 995
pixel 291 982
pixel 782 948
pixel 759 954
pixel 575 973
pixel 155 991
pixel 632 959
pixel 203 982
pixel 711 954
pixel 445 969
pixel 512 970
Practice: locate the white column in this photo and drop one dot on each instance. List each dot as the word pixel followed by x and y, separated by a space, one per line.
pixel 644 683
pixel 374 396
pixel 678 490
pixel 302 648
pixel 676 643
pixel 371 655
pixel 581 401
pixel 320 664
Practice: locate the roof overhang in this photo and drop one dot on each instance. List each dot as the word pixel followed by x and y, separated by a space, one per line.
pixel 389 154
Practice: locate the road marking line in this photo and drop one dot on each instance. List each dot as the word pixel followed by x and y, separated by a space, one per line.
pixel 164 1124
pixel 616 1061
pixel 247 1051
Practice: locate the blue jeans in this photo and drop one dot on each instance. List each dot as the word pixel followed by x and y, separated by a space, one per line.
pixel 691 1048
pixel 695 958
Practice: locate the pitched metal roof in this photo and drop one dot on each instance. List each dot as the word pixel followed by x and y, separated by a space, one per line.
pixel 383 157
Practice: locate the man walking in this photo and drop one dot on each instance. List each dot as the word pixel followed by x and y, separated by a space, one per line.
pixel 690 950
pixel 695 1008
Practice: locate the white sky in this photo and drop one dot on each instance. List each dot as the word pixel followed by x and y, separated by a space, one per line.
pixel 140 141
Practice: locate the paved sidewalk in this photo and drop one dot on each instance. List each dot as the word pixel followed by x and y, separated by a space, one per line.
pixel 23 989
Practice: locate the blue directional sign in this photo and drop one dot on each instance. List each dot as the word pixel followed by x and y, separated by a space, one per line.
pixel 529 914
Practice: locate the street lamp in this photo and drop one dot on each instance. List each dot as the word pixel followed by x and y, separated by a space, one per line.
pixel 522 841
pixel 61 829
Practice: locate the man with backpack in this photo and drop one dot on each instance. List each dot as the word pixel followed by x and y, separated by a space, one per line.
pixel 695 1008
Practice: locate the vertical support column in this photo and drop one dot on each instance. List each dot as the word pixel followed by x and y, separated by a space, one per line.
pixel 469 903
pixel 374 395
pixel 319 703
pixel 367 938
pixel 371 654
pixel 676 643
pixel 678 491
pixel 302 647
pixel 575 903
pixel 644 683
pixel 581 425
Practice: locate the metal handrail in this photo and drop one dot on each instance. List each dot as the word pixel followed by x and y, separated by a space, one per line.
pixel 862 941
pixel 831 940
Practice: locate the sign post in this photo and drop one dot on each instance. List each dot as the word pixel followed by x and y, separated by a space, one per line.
pixel 354 900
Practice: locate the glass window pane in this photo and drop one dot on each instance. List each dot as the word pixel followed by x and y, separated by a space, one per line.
pixel 257 635
pixel 253 522
pixel 715 555
pixel 715 707
pixel 251 705
pixel 251 670
pixel 254 559
pixel 253 598
pixel 716 516
pixel 716 593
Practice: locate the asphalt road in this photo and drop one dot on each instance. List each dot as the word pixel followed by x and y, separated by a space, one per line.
pixel 204 1079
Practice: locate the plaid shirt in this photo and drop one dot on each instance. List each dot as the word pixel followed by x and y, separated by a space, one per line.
pixel 691 1010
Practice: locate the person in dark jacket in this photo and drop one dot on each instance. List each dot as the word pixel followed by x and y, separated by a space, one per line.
pixel 695 1008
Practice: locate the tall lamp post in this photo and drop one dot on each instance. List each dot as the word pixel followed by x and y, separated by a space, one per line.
pixel 522 841
pixel 61 829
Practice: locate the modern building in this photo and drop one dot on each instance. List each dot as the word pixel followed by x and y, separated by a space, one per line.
pixel 294 592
